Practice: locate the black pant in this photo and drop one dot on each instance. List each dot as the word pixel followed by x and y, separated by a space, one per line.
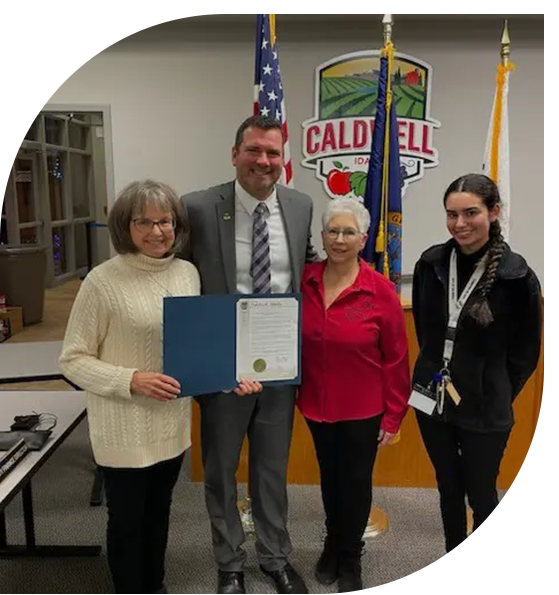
pixel 346 453
pixel 466 465
pixel 139 504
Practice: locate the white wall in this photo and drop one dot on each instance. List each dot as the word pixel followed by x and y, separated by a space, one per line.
pixel 178 91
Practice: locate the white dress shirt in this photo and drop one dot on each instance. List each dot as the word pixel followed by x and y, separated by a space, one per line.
pixel 279 253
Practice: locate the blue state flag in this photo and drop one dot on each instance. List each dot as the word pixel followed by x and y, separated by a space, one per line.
pixel 383 195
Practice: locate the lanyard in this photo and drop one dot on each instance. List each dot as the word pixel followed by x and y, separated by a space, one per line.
pixel 455 306
pixel 456 303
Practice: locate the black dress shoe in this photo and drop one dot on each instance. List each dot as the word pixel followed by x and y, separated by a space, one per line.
pixel 286 580
pixel 230 582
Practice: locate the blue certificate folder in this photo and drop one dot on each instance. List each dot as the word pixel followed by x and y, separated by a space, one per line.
pixel 199 341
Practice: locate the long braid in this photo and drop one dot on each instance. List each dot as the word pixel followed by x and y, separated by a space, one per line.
pixel 480 310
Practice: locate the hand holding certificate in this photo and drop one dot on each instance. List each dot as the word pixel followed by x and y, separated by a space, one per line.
pixel 211 342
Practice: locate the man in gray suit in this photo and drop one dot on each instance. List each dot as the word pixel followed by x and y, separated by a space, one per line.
pixel 250 236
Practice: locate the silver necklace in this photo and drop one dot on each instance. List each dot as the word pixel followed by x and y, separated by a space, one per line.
pixel 167 292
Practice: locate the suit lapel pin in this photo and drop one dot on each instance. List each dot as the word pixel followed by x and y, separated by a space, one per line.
pixel 226 217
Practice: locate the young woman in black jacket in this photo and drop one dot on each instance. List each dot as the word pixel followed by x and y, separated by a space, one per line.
pixel 478 315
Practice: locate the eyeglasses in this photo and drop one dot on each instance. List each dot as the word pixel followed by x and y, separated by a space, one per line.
pixel 144 225
pixel 349 233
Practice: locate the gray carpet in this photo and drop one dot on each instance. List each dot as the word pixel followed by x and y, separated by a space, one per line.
pixel 63 516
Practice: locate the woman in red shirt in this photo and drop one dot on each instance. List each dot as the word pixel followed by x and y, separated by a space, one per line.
pixel 356 382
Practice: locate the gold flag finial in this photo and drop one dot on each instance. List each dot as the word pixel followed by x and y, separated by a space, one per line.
pixel 505 44
pixel 273 29
pixel 387 28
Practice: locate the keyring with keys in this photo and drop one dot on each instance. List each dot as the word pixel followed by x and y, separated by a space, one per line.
pixel 441 379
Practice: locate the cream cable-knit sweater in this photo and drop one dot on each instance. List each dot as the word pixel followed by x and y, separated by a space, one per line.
pixel 116 328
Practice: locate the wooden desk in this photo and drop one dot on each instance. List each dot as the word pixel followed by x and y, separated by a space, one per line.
pixel 404 464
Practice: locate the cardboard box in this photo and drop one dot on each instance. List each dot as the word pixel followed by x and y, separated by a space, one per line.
pixel 14 316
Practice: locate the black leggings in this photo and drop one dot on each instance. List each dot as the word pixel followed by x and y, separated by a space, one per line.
pixel 466 465
pixel 346 453
pixel 139 504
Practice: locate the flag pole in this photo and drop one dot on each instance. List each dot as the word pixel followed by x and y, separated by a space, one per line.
pixel 387 23
pixel 388 49
pixel 496 158
pixel 500 173
pixel 382 236
pixel 378 522
pixel 505 44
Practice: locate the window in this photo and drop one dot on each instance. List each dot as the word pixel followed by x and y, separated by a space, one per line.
pixel 80 243
pixel 78 134
pixel 80 165
pixel 24 190
pixel 54 131
pixel 55 172
pixel 59 248
pixel 50 195
pixel 29 235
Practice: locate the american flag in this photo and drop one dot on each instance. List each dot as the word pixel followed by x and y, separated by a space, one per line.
pixel 268 90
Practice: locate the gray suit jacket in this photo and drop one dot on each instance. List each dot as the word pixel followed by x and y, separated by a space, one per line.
pixel 212 247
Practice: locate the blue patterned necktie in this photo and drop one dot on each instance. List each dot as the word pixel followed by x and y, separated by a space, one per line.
pixel 260 265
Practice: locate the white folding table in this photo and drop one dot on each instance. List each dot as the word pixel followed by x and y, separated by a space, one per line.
pixel 70 409
pixel 36 362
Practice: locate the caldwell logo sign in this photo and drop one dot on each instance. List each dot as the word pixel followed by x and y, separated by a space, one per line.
pixel 337 141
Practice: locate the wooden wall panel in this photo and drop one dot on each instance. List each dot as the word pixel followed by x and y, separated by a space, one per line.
pixel 405 463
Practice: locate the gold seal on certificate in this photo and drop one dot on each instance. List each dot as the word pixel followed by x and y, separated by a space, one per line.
pixel 259 365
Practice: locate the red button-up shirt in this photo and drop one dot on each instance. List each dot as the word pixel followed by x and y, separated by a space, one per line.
pixel 355 353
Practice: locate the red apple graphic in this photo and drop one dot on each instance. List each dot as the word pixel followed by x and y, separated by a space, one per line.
pixel 338 181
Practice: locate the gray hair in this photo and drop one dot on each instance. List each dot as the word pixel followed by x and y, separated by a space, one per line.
pixel 133 201
pixel 350 206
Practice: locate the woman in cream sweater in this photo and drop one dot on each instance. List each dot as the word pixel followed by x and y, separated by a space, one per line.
pixel 139 429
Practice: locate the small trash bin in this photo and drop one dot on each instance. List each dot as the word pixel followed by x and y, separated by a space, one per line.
pixel 22 278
